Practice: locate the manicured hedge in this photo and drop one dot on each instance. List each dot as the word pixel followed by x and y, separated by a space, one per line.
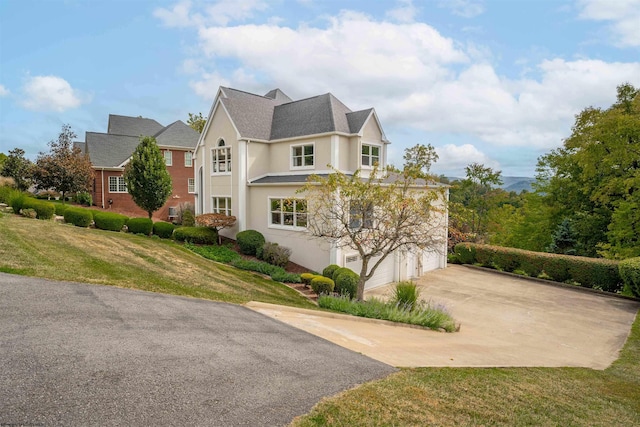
pixel 198 235
pixel 630 273
pixel 45 210
pixel 328 270
pixel 109 221
pixel 588 272
pixel 163 229
pixel 140 226
pixel 346 281
pixel 61 208
pixel 78 216
pixel 249 241
pixel 322 285
pixel 307 278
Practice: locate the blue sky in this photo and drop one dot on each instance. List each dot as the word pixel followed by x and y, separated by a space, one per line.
pixel 495 82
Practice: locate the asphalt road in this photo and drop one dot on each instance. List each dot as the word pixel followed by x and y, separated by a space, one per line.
pixel 83 355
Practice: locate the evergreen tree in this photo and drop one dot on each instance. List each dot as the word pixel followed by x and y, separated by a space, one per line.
pixel 147 178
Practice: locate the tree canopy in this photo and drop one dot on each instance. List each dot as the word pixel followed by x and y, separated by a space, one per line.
pixel 64 168
pixel 376 215
pixel 16 166
pixel 197 122
pixel 146 176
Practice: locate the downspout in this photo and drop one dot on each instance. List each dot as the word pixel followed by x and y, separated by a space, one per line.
pixel 102 184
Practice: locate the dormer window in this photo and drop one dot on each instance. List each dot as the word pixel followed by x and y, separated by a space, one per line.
pixel 370 155
pixel 302 156
pixel 221 158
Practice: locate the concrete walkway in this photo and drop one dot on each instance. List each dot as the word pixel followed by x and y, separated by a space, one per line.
pixel 505 321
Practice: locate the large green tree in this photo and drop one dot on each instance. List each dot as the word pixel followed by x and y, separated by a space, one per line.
pixel 146 176
pixel 64 168
pixel 16 166
pixel 593 180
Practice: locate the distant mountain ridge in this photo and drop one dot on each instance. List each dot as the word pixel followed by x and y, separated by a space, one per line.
pixel 510 183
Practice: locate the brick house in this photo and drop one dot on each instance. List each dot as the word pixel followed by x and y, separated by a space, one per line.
pixel 109 153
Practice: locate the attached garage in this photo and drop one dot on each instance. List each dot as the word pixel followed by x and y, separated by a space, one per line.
pixel 386 272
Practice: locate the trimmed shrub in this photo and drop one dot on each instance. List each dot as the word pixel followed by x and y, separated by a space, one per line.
pixel 198 235
pixel 44 210
pixel 307 278
pixel 60 208
pixel 346 282
pixel 78 216
pixel 322 285
pixel 339 271
pixel 249 241
pixel 109 221
pixel 630 273
pixel 17 200
pixel 188 220
pixel 163 229
pixel 275 254
pixel 588 272
pixel 328 270
pixel 83 198
pixel 140 226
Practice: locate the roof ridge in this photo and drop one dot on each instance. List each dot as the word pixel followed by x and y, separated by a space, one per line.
pixel 248 93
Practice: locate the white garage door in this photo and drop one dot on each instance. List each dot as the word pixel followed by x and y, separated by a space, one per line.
pixel 430 261
pixel 384 274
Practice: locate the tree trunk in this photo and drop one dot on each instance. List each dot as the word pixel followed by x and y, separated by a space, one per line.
pixel 362 280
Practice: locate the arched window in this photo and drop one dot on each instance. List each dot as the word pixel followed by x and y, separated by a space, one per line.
pixel 221 158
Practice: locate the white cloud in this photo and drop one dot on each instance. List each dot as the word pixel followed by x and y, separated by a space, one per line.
pixel 4 91
pixel 51 93
pixel 221 12
pixel 405 12
pixel 464 8
pixel 624 16
pixel 454 158
pixel 179 16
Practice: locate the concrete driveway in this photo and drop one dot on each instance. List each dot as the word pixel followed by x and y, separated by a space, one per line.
pixel 81 355
pixel 505 321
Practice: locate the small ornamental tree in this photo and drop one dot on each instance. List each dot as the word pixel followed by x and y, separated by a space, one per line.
pixel 147 178
pixel 377 215
pixel 16 166
pixel 64 169
pixel 216 221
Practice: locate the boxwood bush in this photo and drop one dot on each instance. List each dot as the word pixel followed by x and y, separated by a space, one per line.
pixel 163 229
pixel 595 273
pixel 328 270
pixel 16 200
pixel 630 273
pixel 322 285
pixel 307 278
pixel 109 221
pixel 78 216
pixel 61 208
pixel 140 226
pixel 249 241
pixel 44 210
pixel 346 281
pixel 197 235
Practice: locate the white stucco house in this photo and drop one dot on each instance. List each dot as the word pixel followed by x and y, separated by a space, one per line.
pixel 256 151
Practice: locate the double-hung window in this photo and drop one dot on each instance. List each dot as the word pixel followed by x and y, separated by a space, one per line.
pixel 289 213
pixel 168 157
pixel 188 159
pixel 302 156
pixel 370 155
pixel 117 184
pixel 221 205
pixel 191 185
pixel 221 158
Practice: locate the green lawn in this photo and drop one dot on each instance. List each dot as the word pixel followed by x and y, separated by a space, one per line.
pixel 412 397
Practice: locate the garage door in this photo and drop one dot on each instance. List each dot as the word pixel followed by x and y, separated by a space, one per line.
pixel 384 274
pixel 430 261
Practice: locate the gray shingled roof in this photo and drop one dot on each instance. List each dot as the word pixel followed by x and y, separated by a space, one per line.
pixel 132 126
pixel 274 116
pixel 284 179
pixel 109 151
pixel 81 145
pixel 177 134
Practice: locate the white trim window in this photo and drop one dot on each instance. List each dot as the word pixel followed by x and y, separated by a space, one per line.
pixel 303 156
pixel 288 213
pixel 117 184
pixel 168 157
pixel 191 185
pixel 221 158
pixel 221 205
pixel 188 159
pixel 370 155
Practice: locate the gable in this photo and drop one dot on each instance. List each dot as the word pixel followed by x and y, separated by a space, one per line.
pixel 177 134
pixel 109 151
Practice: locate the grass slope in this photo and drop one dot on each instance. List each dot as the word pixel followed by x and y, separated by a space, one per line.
pixel 63 252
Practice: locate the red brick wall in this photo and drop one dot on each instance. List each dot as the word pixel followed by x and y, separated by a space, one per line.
pixel 122 202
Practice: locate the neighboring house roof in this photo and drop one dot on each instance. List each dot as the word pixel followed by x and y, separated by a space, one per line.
pixel 275 116
pixel 110 151
pixel 132 126
pixel 81 145
pixel 177 134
